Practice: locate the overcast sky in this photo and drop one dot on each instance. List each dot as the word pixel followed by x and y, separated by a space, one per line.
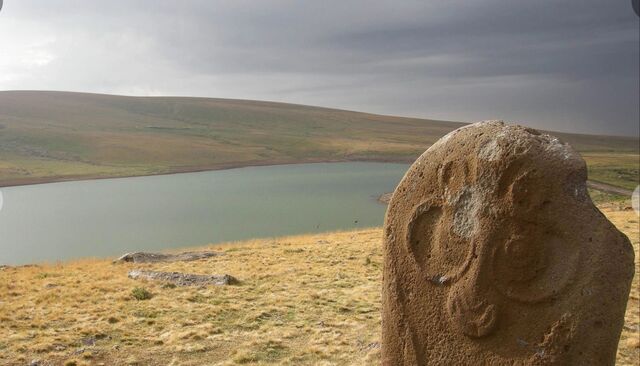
pixel 569 65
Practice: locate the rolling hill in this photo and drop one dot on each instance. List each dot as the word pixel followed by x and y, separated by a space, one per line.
pixel 53 136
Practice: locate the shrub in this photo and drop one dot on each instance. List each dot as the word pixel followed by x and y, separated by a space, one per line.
pixel 141 293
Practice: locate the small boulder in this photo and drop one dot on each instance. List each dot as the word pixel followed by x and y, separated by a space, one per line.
pixel 183 279
pixel 144 257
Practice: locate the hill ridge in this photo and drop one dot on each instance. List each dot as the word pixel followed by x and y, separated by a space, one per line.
pixel 48 136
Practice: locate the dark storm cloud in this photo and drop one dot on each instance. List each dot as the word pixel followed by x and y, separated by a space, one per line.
pixel 559 64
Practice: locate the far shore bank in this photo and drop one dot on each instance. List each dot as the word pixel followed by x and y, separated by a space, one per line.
pixel 194 169
pixel 383 198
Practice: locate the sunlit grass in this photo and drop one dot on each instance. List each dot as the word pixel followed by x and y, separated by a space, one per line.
pixel 618 169
pixel 312 299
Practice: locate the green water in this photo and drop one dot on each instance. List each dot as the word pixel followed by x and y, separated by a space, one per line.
pixel 99 218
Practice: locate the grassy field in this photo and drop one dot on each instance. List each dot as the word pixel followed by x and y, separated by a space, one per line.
pixel 53 136
pixel 613 168
pixel 304 300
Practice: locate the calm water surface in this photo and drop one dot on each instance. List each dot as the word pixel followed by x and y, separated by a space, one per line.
pixel 59 221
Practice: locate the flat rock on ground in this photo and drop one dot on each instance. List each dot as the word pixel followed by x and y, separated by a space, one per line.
pixel 183 279
pixel 144 257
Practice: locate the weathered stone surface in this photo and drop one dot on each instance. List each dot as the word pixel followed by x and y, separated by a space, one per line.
pixel 143 257
pixel 183 279
pixel 495 254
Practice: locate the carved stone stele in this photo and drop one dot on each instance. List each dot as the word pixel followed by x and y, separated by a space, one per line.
pixel 496 255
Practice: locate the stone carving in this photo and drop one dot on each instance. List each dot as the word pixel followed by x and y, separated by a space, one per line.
pixel 495 254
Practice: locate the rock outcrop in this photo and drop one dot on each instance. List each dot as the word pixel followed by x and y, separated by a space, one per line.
pixel 144 257
pixel 495 254
pixel 183 279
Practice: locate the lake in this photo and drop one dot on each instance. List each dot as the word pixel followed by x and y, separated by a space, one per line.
pixel 102 218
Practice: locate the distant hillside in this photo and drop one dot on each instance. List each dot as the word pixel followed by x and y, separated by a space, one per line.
pixel 51 136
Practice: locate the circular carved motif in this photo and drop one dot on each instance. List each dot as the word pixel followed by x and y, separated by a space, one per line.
pixel 441 258
pixel 533 269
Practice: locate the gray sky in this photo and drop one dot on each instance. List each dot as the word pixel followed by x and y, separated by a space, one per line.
pixel 569 65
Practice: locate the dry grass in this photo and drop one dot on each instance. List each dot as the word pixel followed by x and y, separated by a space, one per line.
pixel 629 347
pixel 311 299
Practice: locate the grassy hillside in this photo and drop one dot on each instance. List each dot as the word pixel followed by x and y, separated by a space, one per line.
pixel 50 136
pixel 304 300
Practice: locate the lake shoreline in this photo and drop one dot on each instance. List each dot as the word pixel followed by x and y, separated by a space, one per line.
pixel 181 210
pixel 196 169
pixel 217 247
pixel 383 198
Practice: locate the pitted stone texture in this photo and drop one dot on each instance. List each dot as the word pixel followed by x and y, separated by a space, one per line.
pixel 495 254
